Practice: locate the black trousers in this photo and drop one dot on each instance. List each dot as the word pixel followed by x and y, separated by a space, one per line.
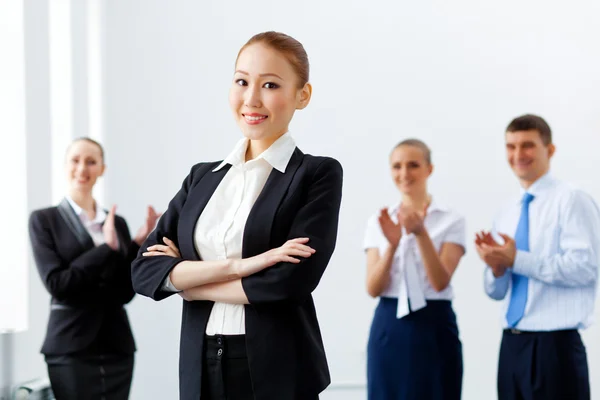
pixel 226 374
pixel 97 377
pixel 543 366
pixel 225 371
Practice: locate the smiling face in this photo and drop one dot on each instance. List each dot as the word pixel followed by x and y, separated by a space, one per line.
pixel 410 169
pixel 84 165
pixel 265 93
pixel 527 155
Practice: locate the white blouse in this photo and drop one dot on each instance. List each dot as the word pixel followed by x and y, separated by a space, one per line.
pixel 219 231
pixel 443 226
pixel 93 227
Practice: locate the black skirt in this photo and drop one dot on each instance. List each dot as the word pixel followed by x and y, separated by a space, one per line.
pixel 90 377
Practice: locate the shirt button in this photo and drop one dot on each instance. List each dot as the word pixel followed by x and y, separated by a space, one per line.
pixel 220 352
pixel 219 341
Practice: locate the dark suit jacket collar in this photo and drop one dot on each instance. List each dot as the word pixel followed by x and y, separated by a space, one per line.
pixel 256 235
pixel 71 219
pixel 73 222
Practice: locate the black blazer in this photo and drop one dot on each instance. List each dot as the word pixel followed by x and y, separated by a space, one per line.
pixel 88 284
pixel 284 346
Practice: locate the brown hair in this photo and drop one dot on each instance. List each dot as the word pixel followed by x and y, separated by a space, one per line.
pixel 288 46
pixel 529 122
pixel 418 144
pixel 89 140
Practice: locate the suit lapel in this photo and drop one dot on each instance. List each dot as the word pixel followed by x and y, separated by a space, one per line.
pixel 74 224
pixel 195 203
pixel 257 232
pixel 123 245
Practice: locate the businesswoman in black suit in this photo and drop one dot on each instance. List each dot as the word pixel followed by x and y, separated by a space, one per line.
pixel 246 241
pixel 83 255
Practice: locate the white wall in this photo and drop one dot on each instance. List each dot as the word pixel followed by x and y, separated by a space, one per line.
pixel 451 74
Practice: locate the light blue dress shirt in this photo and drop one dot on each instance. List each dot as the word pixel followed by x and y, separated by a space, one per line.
pixel 562 263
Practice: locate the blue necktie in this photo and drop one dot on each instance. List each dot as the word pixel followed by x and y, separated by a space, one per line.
pixel 518 295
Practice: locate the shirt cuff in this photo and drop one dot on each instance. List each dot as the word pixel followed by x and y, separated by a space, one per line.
pixel 168 286
pixel 491 281
pixel 524 263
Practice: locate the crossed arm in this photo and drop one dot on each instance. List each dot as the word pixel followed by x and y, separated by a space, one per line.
pixel 287 273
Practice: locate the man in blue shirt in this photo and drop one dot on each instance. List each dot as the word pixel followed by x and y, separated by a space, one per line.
pixel 542 263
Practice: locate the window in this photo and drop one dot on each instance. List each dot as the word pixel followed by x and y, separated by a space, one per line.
pixel 13 181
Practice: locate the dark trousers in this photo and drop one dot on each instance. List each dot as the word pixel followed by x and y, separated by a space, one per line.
pixel 90 377
pixel 226 374
pixel 225 371
pixel 418 357
pixel 543 366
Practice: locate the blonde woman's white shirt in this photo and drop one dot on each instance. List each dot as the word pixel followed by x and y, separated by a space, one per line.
pixel 408 279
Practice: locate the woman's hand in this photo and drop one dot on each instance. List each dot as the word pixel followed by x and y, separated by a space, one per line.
pixel 168 249
pixel 108 229
pixel 412 220
pixel 392 231
pixel 185 294
pixel 286 253
pixel 151 217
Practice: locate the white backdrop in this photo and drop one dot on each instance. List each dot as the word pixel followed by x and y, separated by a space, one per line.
pixel 451 74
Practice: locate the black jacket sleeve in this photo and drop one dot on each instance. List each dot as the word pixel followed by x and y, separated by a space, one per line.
pixel 119 286
pixel 317 219
pixel 79 280
pixel 149 273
